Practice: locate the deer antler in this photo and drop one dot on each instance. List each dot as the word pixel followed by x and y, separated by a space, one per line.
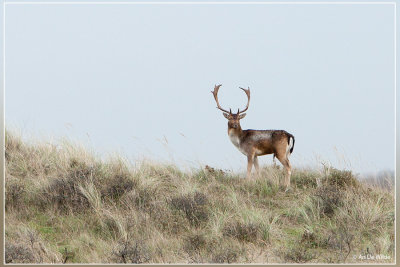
pixel 215 93
pixel 247 91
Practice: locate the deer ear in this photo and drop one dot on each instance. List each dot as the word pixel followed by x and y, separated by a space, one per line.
pixel 226 115
pixel 241 116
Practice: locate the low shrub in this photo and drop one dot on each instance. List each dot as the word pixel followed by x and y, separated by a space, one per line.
pixel 27 246
pixel 194 206
pixel 328 198
pixel 341 240
pixel 194 242
pixel 118 185
pixel 249 232
pixel 342 178
pixel 227 254
pixel 14 192
pixel 64 193
pixel 131 252
pixel 18 253
pixel 298 254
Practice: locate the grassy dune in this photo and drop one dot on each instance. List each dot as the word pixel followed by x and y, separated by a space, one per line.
pixel 65 205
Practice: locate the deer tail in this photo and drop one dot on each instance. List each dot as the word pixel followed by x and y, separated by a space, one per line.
pixel 290 137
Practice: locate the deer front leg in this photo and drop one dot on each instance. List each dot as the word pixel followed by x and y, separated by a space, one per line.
pixel 255 161
pixel 249 166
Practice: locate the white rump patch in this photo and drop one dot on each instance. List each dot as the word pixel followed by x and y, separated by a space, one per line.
pixel 289 146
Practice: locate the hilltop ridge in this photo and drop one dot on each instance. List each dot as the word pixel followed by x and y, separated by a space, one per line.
pixel 67 206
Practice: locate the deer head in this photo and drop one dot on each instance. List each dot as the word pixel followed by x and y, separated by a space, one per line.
pixel 233 119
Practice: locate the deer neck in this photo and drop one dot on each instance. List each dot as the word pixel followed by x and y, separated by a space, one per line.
pixel 235 135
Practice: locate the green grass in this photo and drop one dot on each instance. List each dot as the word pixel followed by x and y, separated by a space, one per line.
pixel 66 205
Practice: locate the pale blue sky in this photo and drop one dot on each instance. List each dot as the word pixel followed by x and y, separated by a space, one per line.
pixel 121 77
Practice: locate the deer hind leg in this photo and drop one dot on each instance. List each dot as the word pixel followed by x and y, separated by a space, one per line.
pixel 256 166
pixel 286 163
pixel 249 165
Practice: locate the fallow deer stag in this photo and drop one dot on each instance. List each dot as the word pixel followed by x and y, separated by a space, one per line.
pixel 254 143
